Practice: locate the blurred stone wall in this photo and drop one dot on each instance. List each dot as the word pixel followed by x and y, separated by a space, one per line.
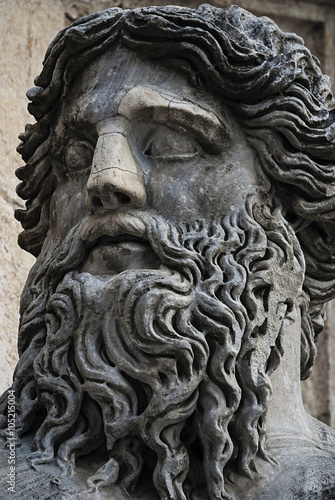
pixel 27 27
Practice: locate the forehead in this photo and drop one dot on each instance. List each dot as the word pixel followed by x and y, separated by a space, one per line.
pixel 106 82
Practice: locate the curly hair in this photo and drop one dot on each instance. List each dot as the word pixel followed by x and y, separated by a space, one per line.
pixel 175 361
pixel 277 91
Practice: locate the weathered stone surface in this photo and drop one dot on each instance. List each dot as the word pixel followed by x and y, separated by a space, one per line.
pixel 21 22
pixel 180 186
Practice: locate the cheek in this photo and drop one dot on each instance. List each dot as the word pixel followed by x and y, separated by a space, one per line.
pixel 208 191
pixel 67 207
pixel 181 197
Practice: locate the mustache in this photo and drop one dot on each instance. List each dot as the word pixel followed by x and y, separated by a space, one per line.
pixel 163 243
pixel 113 225
pixel 152 243
pixel 69 254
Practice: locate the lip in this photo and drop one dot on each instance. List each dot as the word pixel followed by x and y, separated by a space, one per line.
pixel 117 243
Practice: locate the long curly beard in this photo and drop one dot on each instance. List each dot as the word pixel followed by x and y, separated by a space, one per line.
pixel 159 369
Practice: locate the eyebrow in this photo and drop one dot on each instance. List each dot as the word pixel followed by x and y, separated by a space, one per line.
pixel 145 102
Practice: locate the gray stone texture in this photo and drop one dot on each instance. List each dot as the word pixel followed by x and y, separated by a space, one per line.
pixel 27 27
pixel 163 338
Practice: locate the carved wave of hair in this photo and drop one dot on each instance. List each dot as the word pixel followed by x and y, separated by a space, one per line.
pixel 268 306
pixel 42 281
pixel 221 325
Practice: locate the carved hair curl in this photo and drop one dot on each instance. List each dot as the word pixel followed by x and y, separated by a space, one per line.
pixel 278 92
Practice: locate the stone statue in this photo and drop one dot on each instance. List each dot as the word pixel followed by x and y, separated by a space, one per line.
pixel 181 193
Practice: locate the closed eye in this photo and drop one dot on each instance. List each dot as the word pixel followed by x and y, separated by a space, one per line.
pixel 170 144
pixel 78 155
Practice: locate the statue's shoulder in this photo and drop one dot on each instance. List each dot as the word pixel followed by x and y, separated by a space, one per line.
pixel 308 476
pixel 312 478
pixel 302 469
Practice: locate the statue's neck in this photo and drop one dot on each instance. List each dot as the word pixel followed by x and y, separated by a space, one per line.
pixel 286 414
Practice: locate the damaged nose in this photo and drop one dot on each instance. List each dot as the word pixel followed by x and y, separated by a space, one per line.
pixel 115 177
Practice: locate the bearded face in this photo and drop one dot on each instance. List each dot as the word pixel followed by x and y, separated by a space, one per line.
pixel 159 367
pixel 154 314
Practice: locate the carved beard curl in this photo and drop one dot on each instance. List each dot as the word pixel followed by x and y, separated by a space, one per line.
pixel 161 367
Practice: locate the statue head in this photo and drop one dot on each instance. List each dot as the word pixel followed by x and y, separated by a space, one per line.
pixel 180 187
